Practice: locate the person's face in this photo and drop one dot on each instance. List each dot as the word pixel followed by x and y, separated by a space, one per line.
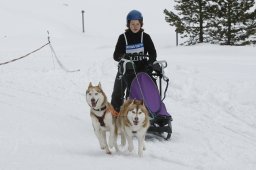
pixel 135 26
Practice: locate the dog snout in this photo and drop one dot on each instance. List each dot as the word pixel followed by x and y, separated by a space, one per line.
pixel 136 118
pixel 92 100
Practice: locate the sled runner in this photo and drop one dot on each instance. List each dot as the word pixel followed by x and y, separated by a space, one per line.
pixel 144 87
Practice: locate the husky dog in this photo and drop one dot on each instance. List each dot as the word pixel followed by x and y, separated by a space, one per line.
pixel 102 118
pixel 133 121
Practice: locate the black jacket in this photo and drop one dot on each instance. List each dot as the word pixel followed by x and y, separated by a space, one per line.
pixel 134 38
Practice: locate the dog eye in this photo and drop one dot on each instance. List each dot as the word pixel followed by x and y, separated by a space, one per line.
pixel 96 94
pixel 133 111
pixel 90 94
pixel 140 113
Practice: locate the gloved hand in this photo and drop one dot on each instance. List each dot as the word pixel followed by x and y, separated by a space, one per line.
pixel 120 67
pixel 127 56
pixel 121 56
pixel 149 68
pixel 157 68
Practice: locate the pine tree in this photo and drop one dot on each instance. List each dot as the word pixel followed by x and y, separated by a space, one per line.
pixel 231 22
pixel 234 23
pixel 251 30
pixel 191 20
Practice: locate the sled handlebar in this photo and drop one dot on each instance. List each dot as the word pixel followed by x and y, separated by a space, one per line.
pixel 162 63
pixel 159 67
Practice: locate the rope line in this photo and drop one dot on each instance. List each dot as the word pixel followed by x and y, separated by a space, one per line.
pixel 58 61
pixel 7 62
pixel 53 54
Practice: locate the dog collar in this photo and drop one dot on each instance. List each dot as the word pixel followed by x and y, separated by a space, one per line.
pixel 103 108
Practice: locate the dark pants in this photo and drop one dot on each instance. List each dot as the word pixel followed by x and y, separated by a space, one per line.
pixel 121 89
pixel 118 92
pixel 123 84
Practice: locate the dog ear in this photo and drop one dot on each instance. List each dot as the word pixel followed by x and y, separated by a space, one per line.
pixel 99 85
pixel 90 84
pixel 142 103
pixel 132 102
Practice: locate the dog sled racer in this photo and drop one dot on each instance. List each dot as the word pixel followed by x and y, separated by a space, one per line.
pixel 133 41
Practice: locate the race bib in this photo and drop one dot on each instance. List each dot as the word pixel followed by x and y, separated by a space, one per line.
pixel 135 49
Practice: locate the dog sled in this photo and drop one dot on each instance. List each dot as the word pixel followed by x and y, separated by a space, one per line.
pixel 148 86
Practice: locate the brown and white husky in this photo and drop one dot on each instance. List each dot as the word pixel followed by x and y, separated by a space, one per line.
pixel 102 118
pixel 133 121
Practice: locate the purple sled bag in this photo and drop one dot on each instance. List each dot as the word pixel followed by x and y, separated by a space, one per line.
pixel 143 88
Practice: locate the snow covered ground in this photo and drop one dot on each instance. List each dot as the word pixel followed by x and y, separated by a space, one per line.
pixel 44 118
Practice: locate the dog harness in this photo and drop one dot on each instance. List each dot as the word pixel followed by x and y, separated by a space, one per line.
pixel 101 118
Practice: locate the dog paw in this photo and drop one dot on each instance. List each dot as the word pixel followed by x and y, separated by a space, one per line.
pixel 117 150
pixel 108 152
pixel 111 145
pixel 140 154
pixel 130 148
pixel 103 147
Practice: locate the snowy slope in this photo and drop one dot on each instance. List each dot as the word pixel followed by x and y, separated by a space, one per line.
pixel 44 119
